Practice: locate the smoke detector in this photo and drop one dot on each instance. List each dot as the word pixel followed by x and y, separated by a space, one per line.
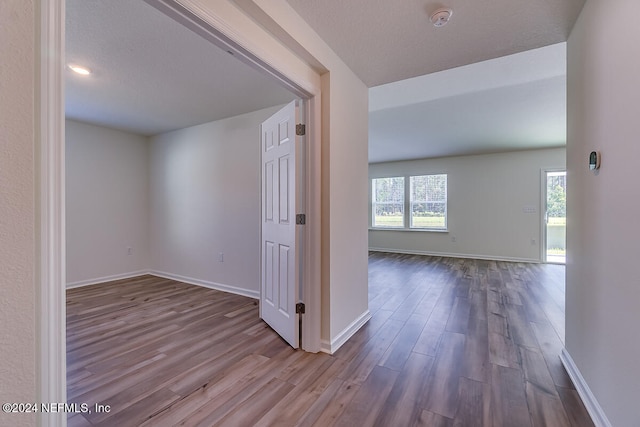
pixel 440 17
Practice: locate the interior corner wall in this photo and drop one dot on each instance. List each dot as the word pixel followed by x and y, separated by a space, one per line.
pixel 107 206
pixel 603 235
pixel 487 195
pixel 347 204
pixel 205 201
pixel 18 209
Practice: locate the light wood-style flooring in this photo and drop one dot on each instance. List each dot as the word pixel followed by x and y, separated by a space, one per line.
pixel 451 342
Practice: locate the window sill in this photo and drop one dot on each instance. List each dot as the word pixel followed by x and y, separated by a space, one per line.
pixel 428 230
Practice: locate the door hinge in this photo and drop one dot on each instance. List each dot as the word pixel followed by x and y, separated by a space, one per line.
pixel 301 219
pixel 301 129
pixel 300 308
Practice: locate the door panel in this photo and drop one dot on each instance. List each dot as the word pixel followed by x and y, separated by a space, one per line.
pixel 279 288
pixel 284 194
pixel 268 189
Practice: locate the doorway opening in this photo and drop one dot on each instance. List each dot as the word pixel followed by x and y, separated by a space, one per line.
pixel 555 217
pixel 52 323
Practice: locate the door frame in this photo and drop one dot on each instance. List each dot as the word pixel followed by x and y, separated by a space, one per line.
pixel 543 211
pixel 50 149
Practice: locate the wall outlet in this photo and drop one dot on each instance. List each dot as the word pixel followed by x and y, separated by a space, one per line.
pixel 129 250
pixel 453 239
pixel 221 257
pixel 533 242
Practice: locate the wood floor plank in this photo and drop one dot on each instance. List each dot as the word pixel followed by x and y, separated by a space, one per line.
pixel 216 409
pixel 429 339
pixel 331 404
pixel 293 408
pixel 476 360
pixel 519 327
pixel 545 409
pixel 441 393
pixel 362 365
pixel 450 342
pixel 257 404
pixel 429 419
pixel 478 301
pixel 508 401
pixel 474 401
pixel 458 320
pixel 354 345
pixel 574 408
pixel 77 420
pixel 134 415
pixel 536 371
pixel 400 349
pixel 369 400
pixel 503 351
pixel 403 406
pixel 551 347
pixel 176 412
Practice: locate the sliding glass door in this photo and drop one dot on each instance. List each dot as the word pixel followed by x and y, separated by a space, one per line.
pixel 555 216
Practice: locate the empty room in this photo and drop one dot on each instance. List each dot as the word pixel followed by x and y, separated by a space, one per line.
pixel 449 259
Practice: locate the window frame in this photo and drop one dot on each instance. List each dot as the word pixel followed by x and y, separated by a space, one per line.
pixel 403 203
pixel 408 205
pixel 442 202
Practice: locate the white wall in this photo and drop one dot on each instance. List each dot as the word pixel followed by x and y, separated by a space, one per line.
pixel 107 206
pixel 344 188
pixel 486 197
pixel 205 199
pixel 603 285
pixel 18 222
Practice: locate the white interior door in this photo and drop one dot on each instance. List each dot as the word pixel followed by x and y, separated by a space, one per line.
pixel 280 260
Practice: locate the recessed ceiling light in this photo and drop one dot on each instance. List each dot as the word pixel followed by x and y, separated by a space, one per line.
pixel 79 69
pixel 440 17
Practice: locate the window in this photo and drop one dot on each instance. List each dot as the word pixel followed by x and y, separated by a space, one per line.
pixel 429 201
pixel 388 202
pixel 425 198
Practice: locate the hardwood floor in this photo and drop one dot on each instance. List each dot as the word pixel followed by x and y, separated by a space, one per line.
pixel 451 342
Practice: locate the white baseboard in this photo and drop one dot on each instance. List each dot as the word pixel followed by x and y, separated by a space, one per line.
pixel 348 332
pixel 98 280
pixel 456 255
pixel 185 279
pixel 590 402
pixel 208 284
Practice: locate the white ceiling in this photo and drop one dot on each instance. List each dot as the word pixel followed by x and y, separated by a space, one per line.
pixel 511 103
pixel 493 79
pixel 385 41
pixel 151 74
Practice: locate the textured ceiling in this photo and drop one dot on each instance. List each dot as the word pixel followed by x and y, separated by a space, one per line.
pixel 493 79
pixel 385 41
pixel 151 74
pixel 515 102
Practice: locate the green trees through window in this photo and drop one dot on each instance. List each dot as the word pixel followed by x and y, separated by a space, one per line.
pixel 429 201
pixel 388 202
pixel 425 198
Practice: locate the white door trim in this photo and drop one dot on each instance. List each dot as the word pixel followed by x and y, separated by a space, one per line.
pixel 50 278
pixel 51 275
